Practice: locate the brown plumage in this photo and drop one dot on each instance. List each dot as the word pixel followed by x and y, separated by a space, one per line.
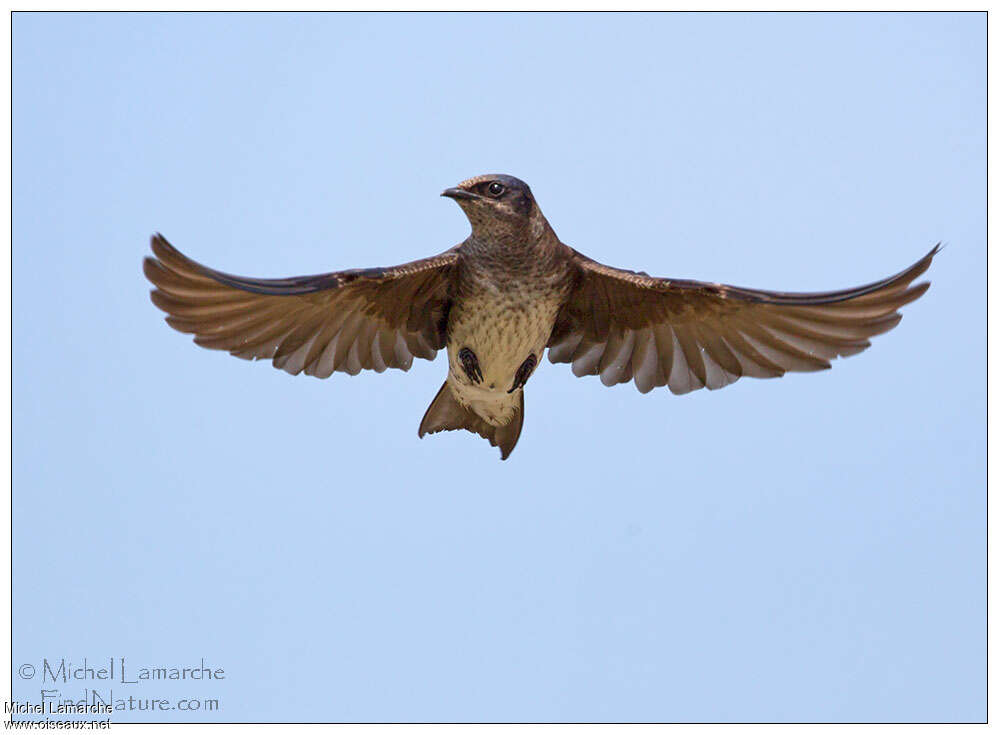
pixel 505 294
pixel 366 319
pixel 688 335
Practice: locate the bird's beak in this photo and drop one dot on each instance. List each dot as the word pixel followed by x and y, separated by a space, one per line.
pixel 455 193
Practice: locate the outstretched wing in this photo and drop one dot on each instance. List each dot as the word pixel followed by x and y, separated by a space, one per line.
pixel 348 321
pixel 625 325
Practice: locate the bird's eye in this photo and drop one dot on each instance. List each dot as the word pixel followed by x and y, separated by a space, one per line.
pixel 496 188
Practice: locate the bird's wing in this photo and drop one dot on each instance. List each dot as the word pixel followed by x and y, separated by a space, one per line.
pixel 625 325
pixel 373 318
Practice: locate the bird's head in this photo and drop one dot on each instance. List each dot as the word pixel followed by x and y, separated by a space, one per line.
pixel 496 201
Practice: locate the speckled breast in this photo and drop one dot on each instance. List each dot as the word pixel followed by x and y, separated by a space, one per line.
pixel 502 330
pixel 503 319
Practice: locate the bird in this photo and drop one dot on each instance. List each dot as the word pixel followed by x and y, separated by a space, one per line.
pixel 509 292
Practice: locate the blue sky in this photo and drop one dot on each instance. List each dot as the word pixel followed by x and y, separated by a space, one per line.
pixel 810 548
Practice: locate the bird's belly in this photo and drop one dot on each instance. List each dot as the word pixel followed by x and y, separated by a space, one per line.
pixel 502 333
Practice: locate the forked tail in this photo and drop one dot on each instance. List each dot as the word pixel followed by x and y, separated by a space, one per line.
pixel 446 414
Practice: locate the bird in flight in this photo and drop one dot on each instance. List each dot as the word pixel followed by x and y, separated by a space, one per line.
pixel 504 295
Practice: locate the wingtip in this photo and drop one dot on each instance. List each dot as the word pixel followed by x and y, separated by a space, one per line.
pixel 918 268
pixel 923 263
pixel 149 266
pixel 160 244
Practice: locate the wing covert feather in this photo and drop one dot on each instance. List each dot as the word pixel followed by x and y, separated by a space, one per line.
pixel 623 325
pixel 346 321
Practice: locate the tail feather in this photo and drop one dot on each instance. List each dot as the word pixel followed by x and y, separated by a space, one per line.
pixel 446 414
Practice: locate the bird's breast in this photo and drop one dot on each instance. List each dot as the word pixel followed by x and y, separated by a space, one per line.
pixel 492 333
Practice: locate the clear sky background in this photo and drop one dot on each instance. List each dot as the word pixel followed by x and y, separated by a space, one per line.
pixel 809 548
